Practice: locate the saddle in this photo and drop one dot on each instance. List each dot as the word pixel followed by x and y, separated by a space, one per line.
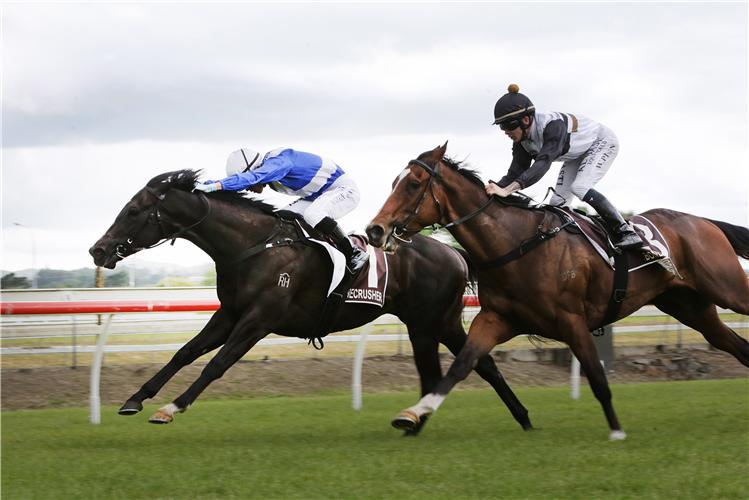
pixel 655 248
pixel 366 287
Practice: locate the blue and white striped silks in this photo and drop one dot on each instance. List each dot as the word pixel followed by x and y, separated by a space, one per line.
pixel 290 172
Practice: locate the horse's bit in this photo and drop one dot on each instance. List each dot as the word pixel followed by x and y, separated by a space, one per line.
pixel 154 217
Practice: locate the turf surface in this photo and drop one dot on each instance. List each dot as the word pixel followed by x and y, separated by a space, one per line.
pixel 685 440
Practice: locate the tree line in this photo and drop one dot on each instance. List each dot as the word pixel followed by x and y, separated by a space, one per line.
pixel 86 278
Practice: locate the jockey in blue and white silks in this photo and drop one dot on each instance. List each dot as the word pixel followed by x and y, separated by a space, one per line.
pixel 326 192
pixel 291 172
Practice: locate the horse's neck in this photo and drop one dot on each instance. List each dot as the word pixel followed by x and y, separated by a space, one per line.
pixel 494 232
pixel 226 231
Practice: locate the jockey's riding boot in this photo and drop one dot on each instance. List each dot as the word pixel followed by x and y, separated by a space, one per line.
pixel 355 256
pixel 625 237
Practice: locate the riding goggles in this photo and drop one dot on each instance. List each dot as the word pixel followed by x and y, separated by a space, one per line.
pixel 510 125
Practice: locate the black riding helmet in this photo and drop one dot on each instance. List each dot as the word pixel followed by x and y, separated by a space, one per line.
pixel 511 108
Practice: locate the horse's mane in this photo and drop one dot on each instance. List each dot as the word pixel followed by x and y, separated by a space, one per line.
pixel 185 180
pixel 471 175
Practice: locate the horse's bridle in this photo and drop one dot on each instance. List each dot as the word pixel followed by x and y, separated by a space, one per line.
pixel 400 230
pixel 154 218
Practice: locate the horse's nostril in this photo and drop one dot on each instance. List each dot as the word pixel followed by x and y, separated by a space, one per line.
pixel 375 233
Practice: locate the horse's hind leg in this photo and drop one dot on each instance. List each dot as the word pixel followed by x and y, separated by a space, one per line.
pixel 697 312
pixel 454 339
pixel 211 337
pixel 577 336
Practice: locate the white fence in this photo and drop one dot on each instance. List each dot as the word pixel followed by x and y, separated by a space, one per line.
pixel 13 324
pixel 156 294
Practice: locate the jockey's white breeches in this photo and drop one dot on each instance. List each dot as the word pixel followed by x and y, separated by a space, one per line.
pixel 340 199
pixel 577 176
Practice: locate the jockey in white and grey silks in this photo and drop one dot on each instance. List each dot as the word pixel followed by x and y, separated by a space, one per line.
pixel 326 192
pixel 586 147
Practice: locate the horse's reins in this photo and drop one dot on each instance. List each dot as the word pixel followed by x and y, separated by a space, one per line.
pixel 540 237
pixel 401 229
pixel 154 217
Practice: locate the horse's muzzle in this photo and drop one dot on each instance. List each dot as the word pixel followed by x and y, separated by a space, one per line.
pixel 380 238
pixel 376 234
pixel 103 257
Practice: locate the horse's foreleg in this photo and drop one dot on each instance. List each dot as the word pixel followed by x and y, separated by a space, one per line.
pixel 237 346
pixel 482 337
pixel 454 339
pixel 211 337
pixel 577 336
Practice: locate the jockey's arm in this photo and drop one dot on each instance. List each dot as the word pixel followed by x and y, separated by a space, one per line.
pixel 555 139
pixel 273 169
pixel 521 161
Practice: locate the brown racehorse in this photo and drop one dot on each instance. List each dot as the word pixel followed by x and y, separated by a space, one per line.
pixel 537 293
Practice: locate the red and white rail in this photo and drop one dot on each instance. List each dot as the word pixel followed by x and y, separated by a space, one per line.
pixel 112 307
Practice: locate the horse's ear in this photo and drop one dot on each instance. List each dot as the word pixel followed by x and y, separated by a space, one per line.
pixel 439 152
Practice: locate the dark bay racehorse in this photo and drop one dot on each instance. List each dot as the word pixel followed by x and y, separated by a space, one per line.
pixel 561 289
pixel 425 289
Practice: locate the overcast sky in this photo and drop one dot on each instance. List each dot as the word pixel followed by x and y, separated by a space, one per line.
pixel 98 98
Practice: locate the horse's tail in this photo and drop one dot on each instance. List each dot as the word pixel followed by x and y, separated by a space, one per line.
pixel 738 237
pixel 472 270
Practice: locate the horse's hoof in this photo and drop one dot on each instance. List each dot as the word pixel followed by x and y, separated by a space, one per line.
pixel 130 408
pixel 617 436
pixel 405 420
pixel 161 417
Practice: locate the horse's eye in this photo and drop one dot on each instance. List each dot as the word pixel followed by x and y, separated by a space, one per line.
pixel 133 212
pixel 414 186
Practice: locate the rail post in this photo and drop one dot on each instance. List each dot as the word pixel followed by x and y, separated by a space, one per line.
pixel 94 393
pixel 358 360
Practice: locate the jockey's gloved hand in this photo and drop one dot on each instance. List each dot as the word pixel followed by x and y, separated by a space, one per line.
pixel 208 187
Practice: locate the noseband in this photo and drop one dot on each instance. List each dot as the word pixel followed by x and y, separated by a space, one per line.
pixel 400 230
pixel 154 218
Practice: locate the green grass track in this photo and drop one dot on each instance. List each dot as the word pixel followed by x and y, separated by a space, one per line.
pixel 686 440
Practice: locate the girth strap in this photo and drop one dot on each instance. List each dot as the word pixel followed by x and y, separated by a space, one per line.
pixel 619 290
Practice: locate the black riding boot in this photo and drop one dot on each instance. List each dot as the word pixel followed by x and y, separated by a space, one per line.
pixel 623 234
pixel 355 256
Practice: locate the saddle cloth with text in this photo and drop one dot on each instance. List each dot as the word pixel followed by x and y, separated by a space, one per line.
pixel 654 250
pixel 370 284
